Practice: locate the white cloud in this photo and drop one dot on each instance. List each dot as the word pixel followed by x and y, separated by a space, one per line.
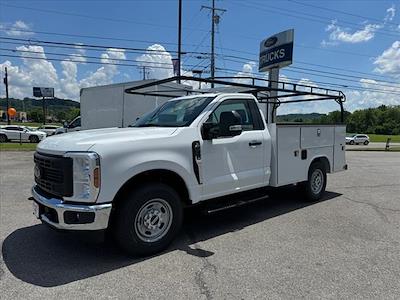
pixel 19 28
pixel 248 70
pixel 157 62
pixel 41 72
pixel 389 61
pixel 338 34
pixel 105 74
pixel 358 99
pixel 390 13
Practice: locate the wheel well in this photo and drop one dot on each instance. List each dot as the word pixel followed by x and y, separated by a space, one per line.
pixel 324 161
pixel 159 175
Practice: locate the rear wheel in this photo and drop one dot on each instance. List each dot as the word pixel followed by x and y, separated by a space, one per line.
pixel 148 219
pixel 34 139
pixel 314 188
pixel 3 138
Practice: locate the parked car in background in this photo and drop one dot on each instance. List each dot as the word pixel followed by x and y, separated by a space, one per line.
pixel 17 133
pixel 357 139
pixel 74 125
pixel 48 129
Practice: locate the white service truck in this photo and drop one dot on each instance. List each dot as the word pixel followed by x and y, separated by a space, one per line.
pixel 213 147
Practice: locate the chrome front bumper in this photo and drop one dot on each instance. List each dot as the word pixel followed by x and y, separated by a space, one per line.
pixel 99 213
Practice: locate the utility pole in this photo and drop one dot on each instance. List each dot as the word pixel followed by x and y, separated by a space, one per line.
pixel 144 72
pixel 179 38
pixel 44 111
pixel 214 20
pixel 7 99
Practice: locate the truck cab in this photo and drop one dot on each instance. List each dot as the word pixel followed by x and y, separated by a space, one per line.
pixel 136 181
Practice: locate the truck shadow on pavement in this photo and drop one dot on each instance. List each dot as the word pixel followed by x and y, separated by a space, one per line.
pixel 41 256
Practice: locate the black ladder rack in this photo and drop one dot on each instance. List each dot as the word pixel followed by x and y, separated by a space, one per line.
pixel 287 92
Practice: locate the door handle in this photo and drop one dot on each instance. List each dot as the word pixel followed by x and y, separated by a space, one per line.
pixel 255 143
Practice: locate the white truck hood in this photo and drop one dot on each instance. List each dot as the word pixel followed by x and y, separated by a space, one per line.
pixel 84 140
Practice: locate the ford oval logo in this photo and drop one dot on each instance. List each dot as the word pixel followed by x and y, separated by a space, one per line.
pixel 37 172
pixel 271 41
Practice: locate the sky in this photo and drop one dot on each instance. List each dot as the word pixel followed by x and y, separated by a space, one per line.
pixel 353 46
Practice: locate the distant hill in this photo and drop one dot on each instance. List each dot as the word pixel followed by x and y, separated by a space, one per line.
pixel 28 104
pixel 299 117
pixel 56 109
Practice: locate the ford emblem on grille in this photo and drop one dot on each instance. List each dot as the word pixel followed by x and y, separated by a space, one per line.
pixel 37 172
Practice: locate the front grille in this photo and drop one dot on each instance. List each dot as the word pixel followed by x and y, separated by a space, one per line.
pixel 53 174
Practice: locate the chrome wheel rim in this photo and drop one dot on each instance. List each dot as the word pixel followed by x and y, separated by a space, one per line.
pixel 317 181
pixel 153 220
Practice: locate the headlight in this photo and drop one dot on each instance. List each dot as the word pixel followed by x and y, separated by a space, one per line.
pixel 86 176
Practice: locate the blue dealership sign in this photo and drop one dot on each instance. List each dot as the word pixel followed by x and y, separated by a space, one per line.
pixel 276 51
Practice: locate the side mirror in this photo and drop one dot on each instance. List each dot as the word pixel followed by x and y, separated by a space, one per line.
pixel 209 131
pixel 230 123
pixel 235 130
pixel 65 125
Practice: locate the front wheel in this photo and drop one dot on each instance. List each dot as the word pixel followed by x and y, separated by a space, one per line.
pixel 314 188
pixel 366 143
pixel 148 219
pixel 34 139
pixel 3 138
pixel 351 142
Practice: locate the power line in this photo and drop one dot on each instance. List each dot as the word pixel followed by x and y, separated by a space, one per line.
pixel 89 57
pixel 315 18
pixel 142 50
pixel 339 11
pixel 91 46
pixel 86 62
pixel 358 54
pixel 95 17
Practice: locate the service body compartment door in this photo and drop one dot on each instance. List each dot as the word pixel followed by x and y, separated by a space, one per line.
pixel 317 136
pixel 339 154
pixel 291 168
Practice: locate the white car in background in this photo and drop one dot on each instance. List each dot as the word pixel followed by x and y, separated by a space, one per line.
pixel 17 133
pixel 357 139
pixel 49 129
pixel 74 125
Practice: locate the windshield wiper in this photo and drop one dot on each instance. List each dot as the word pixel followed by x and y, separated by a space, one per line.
pixel 149 125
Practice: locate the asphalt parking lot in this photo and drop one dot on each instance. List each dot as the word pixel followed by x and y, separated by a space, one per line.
pixel 346 246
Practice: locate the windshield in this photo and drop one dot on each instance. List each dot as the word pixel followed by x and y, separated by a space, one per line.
pixel 176 113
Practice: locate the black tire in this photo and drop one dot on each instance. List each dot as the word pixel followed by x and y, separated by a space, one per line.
pixel 351 142
pixel 3 138
pixel 366 143
pixel 129 220
pixel 34 139
pixel 308 188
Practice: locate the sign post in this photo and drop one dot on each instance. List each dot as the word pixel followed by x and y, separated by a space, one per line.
pixel 42 92
pixel 275 52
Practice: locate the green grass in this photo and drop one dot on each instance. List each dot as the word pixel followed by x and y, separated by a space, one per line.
pixel 17 147
pixel 383 138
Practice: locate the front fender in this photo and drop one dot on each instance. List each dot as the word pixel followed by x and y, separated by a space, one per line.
pixel 116 174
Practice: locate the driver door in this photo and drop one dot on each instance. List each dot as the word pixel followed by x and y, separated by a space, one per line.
pixel 233 163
